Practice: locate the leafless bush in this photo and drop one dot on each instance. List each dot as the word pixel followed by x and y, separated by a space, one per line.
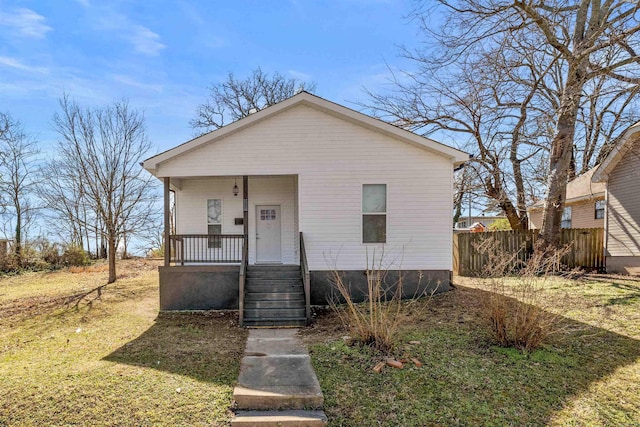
pixel 8 263
pixel 514 307
pixel 376 321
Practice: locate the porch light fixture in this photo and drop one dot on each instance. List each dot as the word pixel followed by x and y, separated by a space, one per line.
pixel 236 190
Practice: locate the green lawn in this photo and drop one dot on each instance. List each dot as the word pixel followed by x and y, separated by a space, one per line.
pixel 114 361
pixel 588 375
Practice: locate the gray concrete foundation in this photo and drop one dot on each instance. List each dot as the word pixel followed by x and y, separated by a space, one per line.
pixel 415 283
pixel 623 265
pixel 200 287
pixel 210 287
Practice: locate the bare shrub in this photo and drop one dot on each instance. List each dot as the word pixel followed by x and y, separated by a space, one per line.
pixel 376 321
pixel 514 307
pixel 8 263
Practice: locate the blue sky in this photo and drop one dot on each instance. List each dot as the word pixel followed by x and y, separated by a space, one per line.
pixel 162 55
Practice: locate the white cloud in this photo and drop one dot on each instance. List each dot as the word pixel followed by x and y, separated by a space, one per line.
pixel 142 39
pixel 300 75
pixel 18 65
pixel 145 41
pixel 25 22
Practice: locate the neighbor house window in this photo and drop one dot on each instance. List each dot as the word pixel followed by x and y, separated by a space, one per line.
pixel 599 209
pixel 374 213
pixel 566 218
pixel 214 223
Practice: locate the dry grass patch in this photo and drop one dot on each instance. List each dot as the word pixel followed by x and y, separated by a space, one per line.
pixel 115 361
pixel 586 375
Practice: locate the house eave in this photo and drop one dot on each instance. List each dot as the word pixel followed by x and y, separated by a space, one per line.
pixel 586 197
pixel 605 168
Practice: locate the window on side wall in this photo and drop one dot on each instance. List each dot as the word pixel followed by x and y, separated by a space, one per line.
pixel 374 213
pixel 214 223
pixel 599 209
pixel 566 217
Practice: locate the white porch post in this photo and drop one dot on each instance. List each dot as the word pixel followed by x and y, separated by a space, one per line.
pixel 167 213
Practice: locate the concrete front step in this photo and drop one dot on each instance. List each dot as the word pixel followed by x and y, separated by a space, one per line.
pixel 276 373
pixel 277 385
pixel 280 418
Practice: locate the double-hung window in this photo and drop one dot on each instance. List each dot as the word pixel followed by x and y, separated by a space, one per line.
pixel 566 218
pixel 599 209
pixel 214 223
pixel 374 213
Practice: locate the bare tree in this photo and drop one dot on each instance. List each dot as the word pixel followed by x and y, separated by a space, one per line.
pixel 592 38
pixel 103 147
pixel 494 102
pixel 609 107
pixel 17 165
pixel 502 71
pixel 234 98
pixel 61 191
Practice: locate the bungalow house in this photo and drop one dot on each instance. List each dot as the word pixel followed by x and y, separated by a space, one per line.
pixel 584 205
pixel 268 206
pixel 620 173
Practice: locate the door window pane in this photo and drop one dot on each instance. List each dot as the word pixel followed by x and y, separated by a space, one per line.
pixel 267 214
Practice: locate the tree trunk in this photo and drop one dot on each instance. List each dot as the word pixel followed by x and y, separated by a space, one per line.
pixel 18 249
pixel 560 160
pixel 457 214
pixel 111 240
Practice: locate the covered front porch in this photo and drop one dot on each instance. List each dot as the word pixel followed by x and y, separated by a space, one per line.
pixel 219 227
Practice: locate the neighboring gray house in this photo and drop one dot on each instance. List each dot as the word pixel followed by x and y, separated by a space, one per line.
pixel 267 206
pixel 620 172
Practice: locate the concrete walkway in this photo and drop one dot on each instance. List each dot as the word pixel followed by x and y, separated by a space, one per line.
pixel 277 385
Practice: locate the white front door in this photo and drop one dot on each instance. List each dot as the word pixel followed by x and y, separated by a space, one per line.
pixel 268 234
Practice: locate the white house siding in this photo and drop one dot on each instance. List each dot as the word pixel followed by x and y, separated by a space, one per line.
pixel 623 207
pixel 332 158
pixel 191 208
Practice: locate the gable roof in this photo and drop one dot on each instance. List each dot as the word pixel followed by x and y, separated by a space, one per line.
pixel 622 147
pixel 578 189
pixel 304 98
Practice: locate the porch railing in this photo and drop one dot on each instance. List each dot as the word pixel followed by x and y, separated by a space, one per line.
pixel 242 278
pixel 304 267
pixel 206 248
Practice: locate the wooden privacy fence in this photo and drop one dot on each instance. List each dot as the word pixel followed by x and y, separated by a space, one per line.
pixel 586 248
